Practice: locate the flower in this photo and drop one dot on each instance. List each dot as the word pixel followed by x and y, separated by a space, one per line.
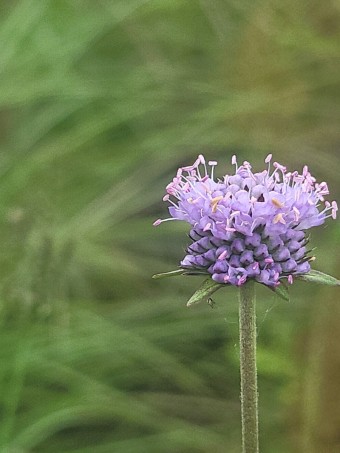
pixel 248 225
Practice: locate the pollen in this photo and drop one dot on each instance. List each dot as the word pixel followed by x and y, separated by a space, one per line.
pixel 277 203
pixel 279 218
pixel 214 202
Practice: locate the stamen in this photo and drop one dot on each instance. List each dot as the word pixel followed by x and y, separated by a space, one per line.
pixel 201 158
pixel 268 158
pixel 188 168
pixel 159 221
pixel 334 209
pixel 207 188
pixel 234 162
pixel 212 164
pixel 214 203
pixel 277 203
pixel 196 200
pixel 279 218
pixel 241 279
pixel 223 255
pixel 296 213
pixel 280 167
pixel 247 166
pixel 234 214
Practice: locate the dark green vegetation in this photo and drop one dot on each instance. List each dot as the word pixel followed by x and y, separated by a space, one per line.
pixel 100 102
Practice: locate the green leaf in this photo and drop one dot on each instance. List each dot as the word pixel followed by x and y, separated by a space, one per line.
pixel 319 277
pixel 208 287
pixel 169 274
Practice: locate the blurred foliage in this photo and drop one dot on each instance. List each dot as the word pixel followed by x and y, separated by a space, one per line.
pixel 99 104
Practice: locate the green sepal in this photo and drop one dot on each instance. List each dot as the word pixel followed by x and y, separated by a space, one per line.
pixel 180 272
pixel 169 274
pixel 319 277
pixel 282 291
pixel 207 288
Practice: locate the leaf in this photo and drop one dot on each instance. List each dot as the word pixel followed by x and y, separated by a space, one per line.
pixel 208 287
pixel 169 274
pixel 319 277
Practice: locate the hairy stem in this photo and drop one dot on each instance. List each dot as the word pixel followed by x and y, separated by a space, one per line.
pixel 249 393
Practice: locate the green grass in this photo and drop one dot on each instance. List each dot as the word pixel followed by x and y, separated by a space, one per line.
pixel 99 104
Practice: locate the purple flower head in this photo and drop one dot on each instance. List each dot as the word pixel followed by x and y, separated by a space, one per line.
pixel 248 225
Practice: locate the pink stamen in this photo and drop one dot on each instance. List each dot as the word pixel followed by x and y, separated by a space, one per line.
pixel 280 167
pixel 305 171
pixel 189 168
pixel 269 260
pixel 223 255
pixel 159 221
pixel 201 158
pixel 241 280
pixel 334 209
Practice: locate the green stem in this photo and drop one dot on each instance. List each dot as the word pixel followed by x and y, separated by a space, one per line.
pixel 249 393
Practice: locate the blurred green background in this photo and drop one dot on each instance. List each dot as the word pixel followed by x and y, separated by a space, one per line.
pixel 101 101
